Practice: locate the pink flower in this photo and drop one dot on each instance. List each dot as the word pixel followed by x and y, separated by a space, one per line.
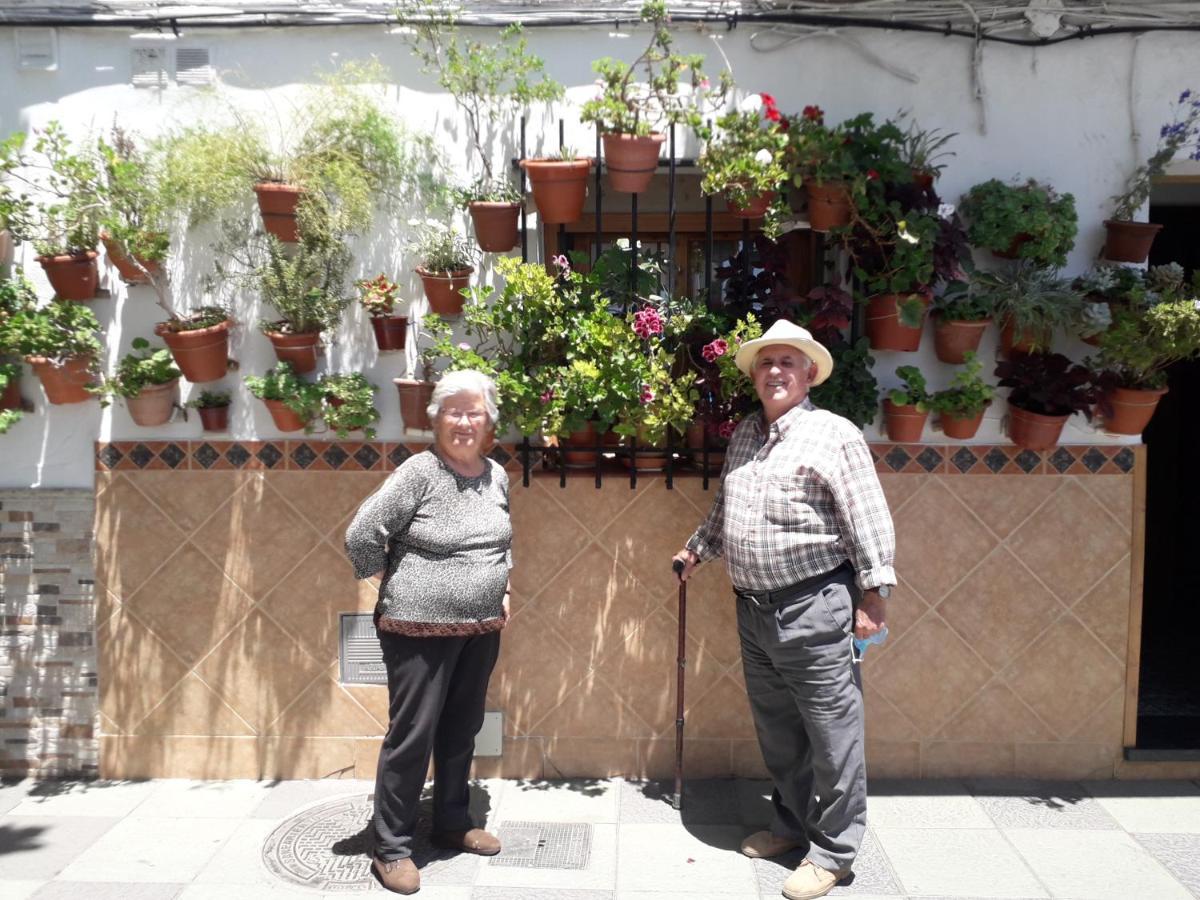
pixel 726 429
pixel 647 394
pixel 705 84
pixel 562 262
pixel 547 396
pixel 647 323
pixel 464 346
pixel 715 349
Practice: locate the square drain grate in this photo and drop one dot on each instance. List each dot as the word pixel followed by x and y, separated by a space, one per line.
pixel 544 845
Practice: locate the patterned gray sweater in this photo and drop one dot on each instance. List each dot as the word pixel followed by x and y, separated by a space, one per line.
pixel 444 543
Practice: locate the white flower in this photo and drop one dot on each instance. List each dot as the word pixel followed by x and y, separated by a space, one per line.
pixel 752 103
pixel 763 157
pixel 945 210
pixel 902 230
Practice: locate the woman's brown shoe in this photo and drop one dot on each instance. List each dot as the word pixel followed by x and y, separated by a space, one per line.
pixel 476 840
pixel 398 875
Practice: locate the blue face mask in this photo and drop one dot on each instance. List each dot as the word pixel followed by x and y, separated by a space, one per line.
pixel 861 644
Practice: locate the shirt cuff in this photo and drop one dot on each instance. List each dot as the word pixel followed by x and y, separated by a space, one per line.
pixel 868 579
pixel 701 548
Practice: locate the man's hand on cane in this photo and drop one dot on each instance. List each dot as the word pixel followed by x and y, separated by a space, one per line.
pixel 689 559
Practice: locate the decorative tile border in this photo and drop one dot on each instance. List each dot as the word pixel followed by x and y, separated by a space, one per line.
pixel 377 456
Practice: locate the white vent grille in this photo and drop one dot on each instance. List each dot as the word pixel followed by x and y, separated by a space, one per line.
pixel 37 49
pixel 148 67
pixel 193 66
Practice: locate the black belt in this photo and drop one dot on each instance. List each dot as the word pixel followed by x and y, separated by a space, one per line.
pixel 764 599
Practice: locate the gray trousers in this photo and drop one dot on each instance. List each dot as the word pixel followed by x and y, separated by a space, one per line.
pixel 806 696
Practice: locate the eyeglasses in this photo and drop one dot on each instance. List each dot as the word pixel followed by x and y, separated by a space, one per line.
pixel 474 416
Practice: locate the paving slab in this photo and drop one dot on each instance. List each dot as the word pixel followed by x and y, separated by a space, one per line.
pixel 34 848
pixel 13 791
pixel 106 799
pixel 1104 865
pixel 287 797
pixel 139 849
pixel 1146 807
pixel 76 890
pixel 872 873
pixel 579 800
pixel 1041 804
pixel 173 798
pixel 705 802
pixel 668 859
pixel 599 874
pixel 1180 853
pixel 11 889
pixel 957 863
pixel 239 860
pixel 924 804
pixel 504 893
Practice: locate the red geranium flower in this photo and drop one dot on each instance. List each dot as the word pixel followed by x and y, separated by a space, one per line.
pixel 872 174
pixel 768 100
pixel 772 114
pixel 814 113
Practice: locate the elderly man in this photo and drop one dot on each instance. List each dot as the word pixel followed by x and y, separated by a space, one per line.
pixel 805 531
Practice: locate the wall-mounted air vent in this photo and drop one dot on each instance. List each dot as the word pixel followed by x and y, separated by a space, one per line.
pixel 37 49
pixel 148 65
pixel 193 66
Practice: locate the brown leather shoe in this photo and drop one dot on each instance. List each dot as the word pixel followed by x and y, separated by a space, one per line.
pixel 398 875
pixel 476 840
pixel 764 845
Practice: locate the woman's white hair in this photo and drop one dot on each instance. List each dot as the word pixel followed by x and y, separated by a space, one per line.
pixel 464 380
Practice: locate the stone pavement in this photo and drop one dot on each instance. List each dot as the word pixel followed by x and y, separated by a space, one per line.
pixel 195 840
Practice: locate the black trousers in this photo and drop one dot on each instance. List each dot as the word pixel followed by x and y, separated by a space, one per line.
pixel 436 690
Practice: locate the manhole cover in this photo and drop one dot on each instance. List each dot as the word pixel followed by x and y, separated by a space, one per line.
pixel 326 846
pixel 544 845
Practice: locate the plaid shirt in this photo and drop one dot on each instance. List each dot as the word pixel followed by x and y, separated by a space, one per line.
pixel 797 502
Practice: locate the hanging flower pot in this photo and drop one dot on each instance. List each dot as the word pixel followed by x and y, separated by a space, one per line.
pixel 694 438
pixel 125 265
pixel 496 225
pixel 73 277
pixel 214 418
pixel 415 397
pixel 444 290
pixel 885 330
pixel 389 332
pixel 631 160
pixel 285 418
pixel 756 207
pixel 559 188
pixel 277 203
pixel 202 354
pixel 1129 241
pixel 953 338
pixel 962 429
pixel 828 205
pixel 154 404
pixel 1132 409
pixel 1033 431
pixel 298 349
pixel 1027 341
pixel 63 382
pixel 904 424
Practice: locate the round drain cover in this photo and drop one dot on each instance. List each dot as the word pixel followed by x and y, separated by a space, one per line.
pixel 326 846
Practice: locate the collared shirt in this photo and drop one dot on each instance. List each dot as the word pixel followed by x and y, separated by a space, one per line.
pixel 797 499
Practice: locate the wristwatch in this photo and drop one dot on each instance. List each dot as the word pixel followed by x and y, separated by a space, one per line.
pixel 884 591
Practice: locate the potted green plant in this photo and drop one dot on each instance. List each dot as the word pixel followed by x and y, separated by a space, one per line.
pixel 199 342
pixel 446 265
pixel 378 297
pixel 1046 389
pixel 744 161
pixel 1135 352
pixel 1127 240
pixel 852 390
pixel 630 114
pixel 1032 302
pixel 16 295
pixel 559 185
pixel 495 208
pixel 11 404
pixel 63 220
pixel 905 409
pixel 213 407
pixel 148 379
pixel 892 255
pixel 923 151
pixel 349 404
pixel 962 405
pixel 292 402
pixel 1028 221
pixel 961 314
pixel 61 342
pixel 134 222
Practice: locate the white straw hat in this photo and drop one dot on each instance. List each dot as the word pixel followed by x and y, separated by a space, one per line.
pixel 791 334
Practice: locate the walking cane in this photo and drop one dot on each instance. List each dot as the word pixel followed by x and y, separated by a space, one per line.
pixel 681 661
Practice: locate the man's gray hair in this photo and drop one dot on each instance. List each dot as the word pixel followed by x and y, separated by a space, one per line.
pixel 464 380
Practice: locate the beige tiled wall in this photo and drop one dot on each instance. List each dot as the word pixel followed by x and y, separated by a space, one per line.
pixel 217 629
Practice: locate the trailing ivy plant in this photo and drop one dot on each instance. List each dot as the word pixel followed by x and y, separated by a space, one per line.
pixel 967 395
pixel 349 404
pixel 1031 219
pixel 144 366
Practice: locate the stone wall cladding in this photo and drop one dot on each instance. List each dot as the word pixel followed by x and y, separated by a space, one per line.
pixel 48 684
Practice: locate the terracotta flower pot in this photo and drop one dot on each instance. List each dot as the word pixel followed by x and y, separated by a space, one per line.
pixel 285 418
pixel 962 429
pixel 124 265
pixel 10 397
pixel 1033 431
pixel 389 332
pixel 559 188
pixel 277 203
pixel 496 225
pixel 756 207
pixel 154 404
pixel 884 328
pixel 954 338
pixel 202 354
pixel 414 400
pixel 1132 409
pixel 631 160
pixel 694 440
pixel 904 424
pixel 828 205
pixel 443 290
pixel 72 277
pixel 646 457
pixel 63 383
pixel 586 437
pixel 923 180
pixel 214 418
pixel 298 349
pixel 1025 342
pixel 1129 241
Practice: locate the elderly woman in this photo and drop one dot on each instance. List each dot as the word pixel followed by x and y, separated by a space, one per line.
pixel 438 533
